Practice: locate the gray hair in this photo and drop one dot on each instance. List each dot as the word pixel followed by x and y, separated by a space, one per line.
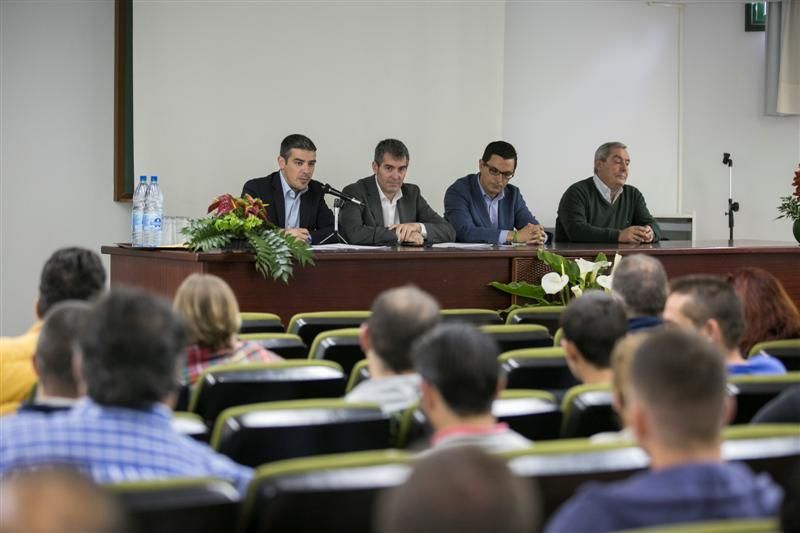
pixel 641 282
pixel 602 152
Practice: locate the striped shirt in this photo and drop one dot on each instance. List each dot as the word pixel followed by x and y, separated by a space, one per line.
pixel 112 444
pixel 199 358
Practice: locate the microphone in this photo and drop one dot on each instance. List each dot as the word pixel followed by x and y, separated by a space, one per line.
pixel 327 189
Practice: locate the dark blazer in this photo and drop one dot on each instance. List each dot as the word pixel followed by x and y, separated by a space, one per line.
pixel 315 215
pixel 465 209
pixel 365 225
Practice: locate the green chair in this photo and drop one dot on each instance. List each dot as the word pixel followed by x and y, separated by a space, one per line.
pixel 753 392
pixel 324 493
pixel 537 368
pixel 260 323
pixel 548 316
pixel 559 334
pixel 286 345
pixel 787 350
pixel 184 504
pixel 309 325
pixel 732 525
pixel 477 317
pixel 224 386
pixel 191 425
pixel 770 448
pixel 518 336
pixel 359 373
pixel 261 433
pixel 587 410
pixel 341 346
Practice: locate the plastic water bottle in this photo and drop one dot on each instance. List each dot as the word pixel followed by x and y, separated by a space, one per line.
pixel 137 212
pixel 153 211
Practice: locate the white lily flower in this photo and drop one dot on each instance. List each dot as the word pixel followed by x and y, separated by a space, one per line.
pixel 577 291
pixel 585 267
pixel 605 281
pixel 617 259
pixel 553 282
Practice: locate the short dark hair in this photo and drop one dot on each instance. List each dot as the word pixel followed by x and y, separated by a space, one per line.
pixel 399 317
pixel 460 489
pixel 682 378
pixel 712 297
pixel 297 141
pixel 70 274
pixel 595 322
pixel 502 149
pixel 641 282
pixel 131 347
pixel 393 147
pixel 56 347
pixel 461 362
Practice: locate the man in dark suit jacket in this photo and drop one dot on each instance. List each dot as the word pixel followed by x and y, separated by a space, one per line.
pixel 394 211
pixel 295 201
pixel 484 207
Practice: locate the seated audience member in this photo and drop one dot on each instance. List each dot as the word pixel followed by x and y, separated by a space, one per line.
pixel 55 359
pixel 709 305
pixel 294 201
pixel 592 325
pixel 641 282
pixel 211 312
pixel 459 490
pixel 398 317
pixel 69 274
pixel 394 212
pixel 460 380
pixel 677 405
pixel 122 431
pixel 485 207
pixel 58 501
pixel 604 208
pixel 769 313
pixel 783 409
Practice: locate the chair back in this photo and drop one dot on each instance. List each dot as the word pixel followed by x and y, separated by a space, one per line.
pixel 185 504
pixel 787 350
pixel 261 433
pixel 548 316
pixel 731 525
pixel 588 410
pixel 359 374
pixel 537 368
pixel 309 325
pixel 325 493
pixel 535 414
pixel 753 392
pixel 286 345
pixel 517 336
pixel 191 425
pixel 476 317
pixel 770 448
pixel 224 386
pixel 260 323
pixel 341 346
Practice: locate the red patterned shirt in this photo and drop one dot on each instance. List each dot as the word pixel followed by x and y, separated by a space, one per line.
pixel 199 358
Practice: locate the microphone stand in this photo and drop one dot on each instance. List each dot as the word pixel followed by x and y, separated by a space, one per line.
pixel 733 207
pixel 337 204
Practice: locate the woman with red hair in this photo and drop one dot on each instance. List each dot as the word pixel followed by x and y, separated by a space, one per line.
pixel 768 311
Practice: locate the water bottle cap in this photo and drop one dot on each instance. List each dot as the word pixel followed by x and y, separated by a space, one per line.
pixel 153 179
pixel 142 178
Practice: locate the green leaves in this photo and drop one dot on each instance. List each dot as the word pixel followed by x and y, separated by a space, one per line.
pixel 523 289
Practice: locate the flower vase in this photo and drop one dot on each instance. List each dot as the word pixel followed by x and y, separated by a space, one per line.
pixel 238 244
pixel 796 230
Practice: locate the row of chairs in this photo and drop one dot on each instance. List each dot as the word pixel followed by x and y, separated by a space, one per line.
pixel 338 492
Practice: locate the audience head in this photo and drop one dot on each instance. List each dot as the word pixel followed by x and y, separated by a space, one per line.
pixel 769 312
pixel 497 167
pixel 678 399
pixel 398 317
pixel 57 501
pixel 621 357
pixel 592 324
pixel 641 281
pixel 70 274
pixel 709 305
pixel 459 370
pixel 297 161
pixel 611 161
pixel 390 165
pixel 57 348
pixel 131 347
pixel 460 489
pixel 210 309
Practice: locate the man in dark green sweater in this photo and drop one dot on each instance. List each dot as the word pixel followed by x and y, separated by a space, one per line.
pixel 603 208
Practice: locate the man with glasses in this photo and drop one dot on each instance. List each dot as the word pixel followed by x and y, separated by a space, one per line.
pixel 484 207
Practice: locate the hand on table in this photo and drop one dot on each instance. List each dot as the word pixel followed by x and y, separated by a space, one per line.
pixel 404 231
pixel 298 233
pixel 636 234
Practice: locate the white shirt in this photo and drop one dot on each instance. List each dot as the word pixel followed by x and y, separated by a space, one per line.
pixel 389 208
pixel 605 190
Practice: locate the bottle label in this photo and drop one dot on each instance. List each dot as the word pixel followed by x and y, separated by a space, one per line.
pixel 157 223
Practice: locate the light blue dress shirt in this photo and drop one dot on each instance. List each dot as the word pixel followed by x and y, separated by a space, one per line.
pixel 291 202
pixel 491 206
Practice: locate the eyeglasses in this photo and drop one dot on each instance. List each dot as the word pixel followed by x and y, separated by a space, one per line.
pixel 496 172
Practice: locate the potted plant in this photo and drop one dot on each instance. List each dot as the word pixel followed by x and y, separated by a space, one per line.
pixel 242 224
pixel 790 205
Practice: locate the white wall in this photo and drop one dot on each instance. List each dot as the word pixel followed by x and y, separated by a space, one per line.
pixel 55 143
pixel 219 84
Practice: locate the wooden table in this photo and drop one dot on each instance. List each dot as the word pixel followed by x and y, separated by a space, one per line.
pixel 350 279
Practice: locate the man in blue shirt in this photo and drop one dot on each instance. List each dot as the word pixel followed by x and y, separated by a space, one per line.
pixel 676 405
pixel 122 431
pixel 484 207
pixel 710 305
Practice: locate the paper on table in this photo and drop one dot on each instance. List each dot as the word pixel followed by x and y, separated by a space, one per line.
pixel 464 245
pixel 342 246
